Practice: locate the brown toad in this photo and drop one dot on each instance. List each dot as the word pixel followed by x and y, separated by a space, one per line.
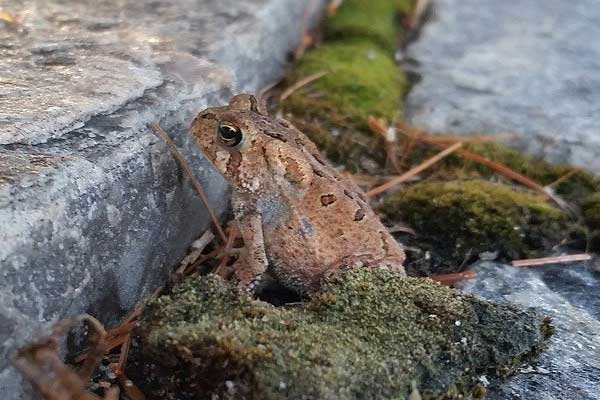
pixel 300 218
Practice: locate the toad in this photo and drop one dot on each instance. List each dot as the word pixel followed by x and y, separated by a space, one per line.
pixel 299 217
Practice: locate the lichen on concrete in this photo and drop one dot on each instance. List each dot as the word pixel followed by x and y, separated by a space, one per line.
pixel 458 220
pixel 367 334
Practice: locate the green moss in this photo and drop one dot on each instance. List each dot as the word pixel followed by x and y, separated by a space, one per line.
pixel 368 19
pixel 591 211
pixel 461 219
pixel 571 183
pixel 576 185
pixel 361 81
pixel 368 334
pixel 591 215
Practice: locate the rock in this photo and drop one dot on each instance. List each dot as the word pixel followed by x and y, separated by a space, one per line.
pixel 368 334
pixel 476 216
pixel 93 208
pixel 570 295
pixel 530 69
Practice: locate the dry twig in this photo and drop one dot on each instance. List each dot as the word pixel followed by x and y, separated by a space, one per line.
pixel 42 365
pixel 388 133
pixel 407 149
pixel 306 39
pixel 197 248
pixel 418 13
pixel 413 171
pixel 131 390
pixel 402 228
pixel 562 179
pixel 367 181
pixel 333 7
pixel 446 139
pixel 123 354
pixel 156 128
pixel 517 177
pixel 233 234
pixel 551 260
pixel 300 84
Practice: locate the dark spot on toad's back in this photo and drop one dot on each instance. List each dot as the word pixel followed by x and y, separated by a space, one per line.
pixel 328 199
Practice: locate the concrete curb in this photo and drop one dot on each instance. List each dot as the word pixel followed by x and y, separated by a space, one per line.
pixel 94 211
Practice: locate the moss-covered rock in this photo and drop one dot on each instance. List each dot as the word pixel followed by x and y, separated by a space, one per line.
pixel 572 183
pixel 375 20
pixel 368 334
pixel 575 184
pixel 461 219
pixel 361 81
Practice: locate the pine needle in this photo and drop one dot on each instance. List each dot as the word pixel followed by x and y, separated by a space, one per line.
pixel 496 166
pixel 160 132
pixel 551 260
pixel 300 84
pixel 413 171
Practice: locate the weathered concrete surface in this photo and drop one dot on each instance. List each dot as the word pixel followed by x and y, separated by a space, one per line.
pixel 94 211
pixel 570 295
pixel 530 67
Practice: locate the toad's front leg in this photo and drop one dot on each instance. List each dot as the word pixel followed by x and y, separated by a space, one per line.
pixel 250 269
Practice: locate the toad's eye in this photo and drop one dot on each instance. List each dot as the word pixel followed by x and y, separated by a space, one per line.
pixel 229 135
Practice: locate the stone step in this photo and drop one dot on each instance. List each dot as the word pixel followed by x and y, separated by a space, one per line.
pixel 94 211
